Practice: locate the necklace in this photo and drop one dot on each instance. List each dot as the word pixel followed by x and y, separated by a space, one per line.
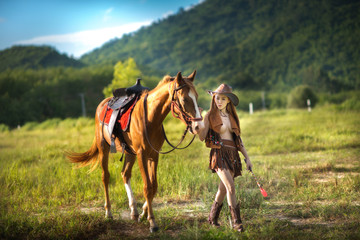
pixel 223 114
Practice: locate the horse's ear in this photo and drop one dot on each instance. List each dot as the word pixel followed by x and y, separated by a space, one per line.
pixel 191 77
pixel 179 76
pixel 179 79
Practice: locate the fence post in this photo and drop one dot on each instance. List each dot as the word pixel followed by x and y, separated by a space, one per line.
pixel 83 104
pixel 308 105
pixel 251 110
pixel 263 100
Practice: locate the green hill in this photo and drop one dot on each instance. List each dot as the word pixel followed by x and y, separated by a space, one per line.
pixel 251 44
pixel 35 57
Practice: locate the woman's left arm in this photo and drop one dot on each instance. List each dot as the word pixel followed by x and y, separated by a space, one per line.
pixel 246 156
pixel 203 132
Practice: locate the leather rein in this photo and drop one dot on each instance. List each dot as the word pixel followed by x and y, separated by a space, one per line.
pixel 182 116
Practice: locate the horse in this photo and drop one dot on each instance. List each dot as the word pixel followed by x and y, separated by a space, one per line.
pixel 145 137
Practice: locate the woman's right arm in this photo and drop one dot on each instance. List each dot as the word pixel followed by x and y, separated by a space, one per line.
pixel 202 134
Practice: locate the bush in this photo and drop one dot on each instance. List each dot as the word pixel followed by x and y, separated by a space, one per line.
pixel 351 104
pixel 49 124
pixel 4 128
pixel 339 98
pixel 277 100
pixel 30 126
pixel 299 95
pixel 246 97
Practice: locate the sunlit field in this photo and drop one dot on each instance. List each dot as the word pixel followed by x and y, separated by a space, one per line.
pixel 307 162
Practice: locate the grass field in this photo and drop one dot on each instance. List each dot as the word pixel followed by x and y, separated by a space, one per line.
pixel 307 162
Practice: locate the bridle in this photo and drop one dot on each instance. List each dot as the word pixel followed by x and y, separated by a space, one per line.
pixel 182 116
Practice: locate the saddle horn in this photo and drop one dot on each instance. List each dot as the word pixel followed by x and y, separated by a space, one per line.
pixel 137 88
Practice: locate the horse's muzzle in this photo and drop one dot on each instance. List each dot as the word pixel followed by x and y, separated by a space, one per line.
pixel 196 126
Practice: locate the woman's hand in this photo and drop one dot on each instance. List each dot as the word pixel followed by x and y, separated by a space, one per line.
pixel 248 164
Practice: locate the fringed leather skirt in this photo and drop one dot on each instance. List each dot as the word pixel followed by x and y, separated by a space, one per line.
pixel 226 157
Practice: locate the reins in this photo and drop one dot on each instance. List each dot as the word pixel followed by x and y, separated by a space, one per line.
pixel 163 130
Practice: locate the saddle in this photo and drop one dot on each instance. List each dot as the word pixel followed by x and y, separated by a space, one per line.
pixel 117 114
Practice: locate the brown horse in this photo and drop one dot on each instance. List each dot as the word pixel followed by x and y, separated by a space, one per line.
pixel 145 141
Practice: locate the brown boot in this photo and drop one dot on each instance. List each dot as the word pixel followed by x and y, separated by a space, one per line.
pixel 236 219
pixel 214 214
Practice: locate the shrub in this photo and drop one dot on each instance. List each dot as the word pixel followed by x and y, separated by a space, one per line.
pixel 49 124
pixel 4 128
pixel 246 97
pixel 352 103
pixel 30 126
pixel 299 95
pixel 277 100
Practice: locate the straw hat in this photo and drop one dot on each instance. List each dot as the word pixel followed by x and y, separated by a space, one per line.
pixel 227 91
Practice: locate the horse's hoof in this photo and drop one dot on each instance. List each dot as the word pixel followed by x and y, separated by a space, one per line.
pixel 108 216
pixel 135 217
pixel 154 229
pixel 140 218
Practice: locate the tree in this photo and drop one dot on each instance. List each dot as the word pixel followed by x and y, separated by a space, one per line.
pixel 299 95
pixel 125 74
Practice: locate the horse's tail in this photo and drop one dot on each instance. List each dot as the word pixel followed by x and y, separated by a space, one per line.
pixel 85 158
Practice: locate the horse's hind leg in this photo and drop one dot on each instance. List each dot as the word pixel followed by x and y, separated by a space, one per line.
pixel 104 158
pixel 126 175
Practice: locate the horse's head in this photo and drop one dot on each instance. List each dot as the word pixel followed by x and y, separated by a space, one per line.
pixel 184 102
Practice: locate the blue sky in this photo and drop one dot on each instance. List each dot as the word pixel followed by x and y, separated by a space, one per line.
pixel 75 27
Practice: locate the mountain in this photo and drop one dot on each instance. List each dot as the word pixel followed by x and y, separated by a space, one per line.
pixel 251 43
pixel 35 57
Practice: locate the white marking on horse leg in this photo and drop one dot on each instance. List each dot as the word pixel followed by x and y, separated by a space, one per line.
pixel 108 213
pixel 132 202
pixel 144 211
pixel 198 125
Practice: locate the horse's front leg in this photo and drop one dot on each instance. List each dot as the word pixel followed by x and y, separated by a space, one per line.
pixel 148 168
pixel 144 211
pixel 126 174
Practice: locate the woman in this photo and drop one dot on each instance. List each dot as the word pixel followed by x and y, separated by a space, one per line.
pixel 222 135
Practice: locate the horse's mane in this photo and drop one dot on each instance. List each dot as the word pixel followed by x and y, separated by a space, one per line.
pixel 167 79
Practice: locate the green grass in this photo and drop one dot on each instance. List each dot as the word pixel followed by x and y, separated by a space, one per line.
pixel 307 162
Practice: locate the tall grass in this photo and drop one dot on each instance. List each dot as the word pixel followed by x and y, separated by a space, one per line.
pixel 307 162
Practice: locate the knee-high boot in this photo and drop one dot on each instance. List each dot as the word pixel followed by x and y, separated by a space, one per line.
pixel 236 219
pixel 215 213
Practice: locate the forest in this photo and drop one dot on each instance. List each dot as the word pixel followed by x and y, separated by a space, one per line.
pixel 257 47
pixel 251 44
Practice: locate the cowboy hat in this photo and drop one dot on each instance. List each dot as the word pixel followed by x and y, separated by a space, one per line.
pixel 227 91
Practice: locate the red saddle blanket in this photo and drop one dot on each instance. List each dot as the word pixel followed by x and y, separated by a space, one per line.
pixel 123 118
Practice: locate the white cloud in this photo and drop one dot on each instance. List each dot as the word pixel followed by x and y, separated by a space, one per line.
pixel 193 5
pixel 79 43
pixel 167 14
pixel 107 16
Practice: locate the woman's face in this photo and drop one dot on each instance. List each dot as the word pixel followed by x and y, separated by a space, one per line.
pixel 221 101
